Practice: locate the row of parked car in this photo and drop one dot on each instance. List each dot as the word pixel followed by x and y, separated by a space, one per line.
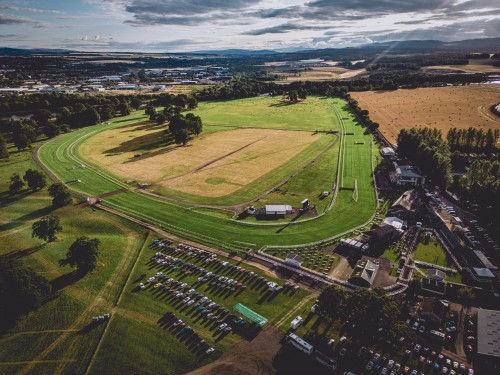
pixel 428 362
pixel 185 330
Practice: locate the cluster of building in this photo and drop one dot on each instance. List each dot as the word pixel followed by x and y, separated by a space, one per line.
pixel 191 76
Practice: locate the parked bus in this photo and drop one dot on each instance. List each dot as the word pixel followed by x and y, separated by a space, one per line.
pixel 300 344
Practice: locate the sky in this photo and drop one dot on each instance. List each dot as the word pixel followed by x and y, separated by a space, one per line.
pixel 192 25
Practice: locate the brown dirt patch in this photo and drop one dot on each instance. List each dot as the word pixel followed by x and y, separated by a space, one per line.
pixel 441 107
pixel 247 358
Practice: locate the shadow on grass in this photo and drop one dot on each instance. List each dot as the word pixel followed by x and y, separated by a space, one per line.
pixel 67 279
pixel 21 220
pixel 7 198
pixel 22 253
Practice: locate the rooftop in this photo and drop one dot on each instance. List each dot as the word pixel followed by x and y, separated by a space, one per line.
pixel 366 270
pixel 408 200
pixel 488 332
pixel 408 171
pixel 295 257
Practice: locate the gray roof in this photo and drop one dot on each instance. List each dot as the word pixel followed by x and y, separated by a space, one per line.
pixel 295 257
pixel 366 270
pixel 483 272
pixel 408 171
pixel 488 332
pixel 278 207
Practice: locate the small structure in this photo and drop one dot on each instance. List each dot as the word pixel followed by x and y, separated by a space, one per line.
pixel 409 201
pixel 305 204
pixel 272 286
pixel 435 274
pixel 354 244
pixel 294 260
pixel 250 314
pixel 483 273
pixel 251 210
pixel 383 236
pixel 408 175
pixel 364 273
pixel 395 222
pixel 487 360
pixel 388 152
pixel 433 311
pixel 277 209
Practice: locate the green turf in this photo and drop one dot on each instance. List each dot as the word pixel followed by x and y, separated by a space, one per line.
pixel 151 348
pixel 356 164
pixel 35 332
pixel 270 113
pixel 432 252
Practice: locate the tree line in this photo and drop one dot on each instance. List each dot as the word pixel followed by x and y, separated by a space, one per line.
pixel 473 139
pixel 366 315
pixel 427 150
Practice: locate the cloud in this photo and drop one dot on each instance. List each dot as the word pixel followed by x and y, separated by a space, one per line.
pixel 283 28
pixel 8 19
pixel 31 10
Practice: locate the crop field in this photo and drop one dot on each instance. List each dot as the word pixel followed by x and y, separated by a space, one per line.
pixel 321 74
pixel 474 66
pixel 213 226
pixel 439 107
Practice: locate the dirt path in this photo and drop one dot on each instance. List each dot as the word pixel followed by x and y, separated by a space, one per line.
pixel 15 335
pixel 116 309
pixel 98 300
pixel 338 272
pixel 248 357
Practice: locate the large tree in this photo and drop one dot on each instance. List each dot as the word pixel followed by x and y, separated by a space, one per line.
pixel 82 254
pixel 16 183
pixel 21 290
pixel 23 134
pixel 46 228
pixel 34 179
pixel 4 153
pixel 60 194
pixel 42 116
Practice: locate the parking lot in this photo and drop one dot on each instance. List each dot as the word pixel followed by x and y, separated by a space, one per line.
pixel 199 290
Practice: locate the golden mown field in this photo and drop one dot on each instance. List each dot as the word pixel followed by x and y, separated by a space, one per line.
pixel 440 107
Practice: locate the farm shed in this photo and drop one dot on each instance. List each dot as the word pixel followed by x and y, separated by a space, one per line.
pixel 277 209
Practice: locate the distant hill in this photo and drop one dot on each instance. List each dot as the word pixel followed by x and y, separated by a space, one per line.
pixel 37 51
pixel 469 45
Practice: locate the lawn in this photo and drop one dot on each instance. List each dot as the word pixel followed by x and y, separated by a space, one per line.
pixel 431 251
pixel 152 348
pixel 355 194
pixel 313 259
pixel 53 334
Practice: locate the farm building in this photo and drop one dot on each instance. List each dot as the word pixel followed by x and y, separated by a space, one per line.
pixel 408 175
pixel 277 209
pixel 294 260
pixel 353 244
pixel 388 152
pixel 364 273
pixel 434 274
pixel 488 337
pixel 395 222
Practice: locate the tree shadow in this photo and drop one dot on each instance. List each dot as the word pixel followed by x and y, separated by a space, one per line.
pixel 21 220
pixel 7 198
pixel 22 253
pixel 67 279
